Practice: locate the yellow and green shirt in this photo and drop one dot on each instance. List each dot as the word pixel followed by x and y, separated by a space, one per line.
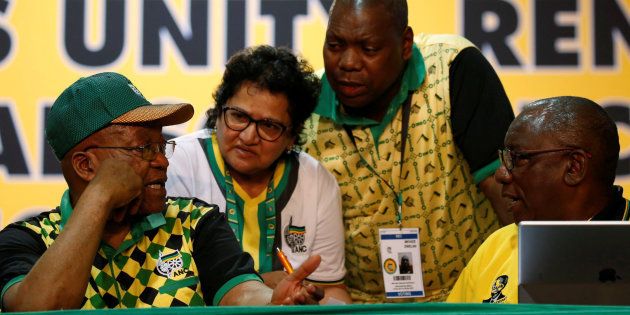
pixel 438 191
pixel 159 264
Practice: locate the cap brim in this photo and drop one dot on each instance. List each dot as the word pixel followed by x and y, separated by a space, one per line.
pixel 157 114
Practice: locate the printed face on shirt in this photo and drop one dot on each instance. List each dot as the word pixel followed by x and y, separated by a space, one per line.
pixel 245 152
pixel 534 187
pixel 364 56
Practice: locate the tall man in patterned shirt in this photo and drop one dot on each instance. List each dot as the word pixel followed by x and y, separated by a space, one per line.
pixel 113 242
pixel 435 99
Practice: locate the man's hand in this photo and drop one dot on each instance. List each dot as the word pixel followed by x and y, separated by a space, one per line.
pixel 291 290
pixel 272 278
pixel 118 180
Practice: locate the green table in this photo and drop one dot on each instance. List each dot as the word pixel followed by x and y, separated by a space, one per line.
pixel 407 308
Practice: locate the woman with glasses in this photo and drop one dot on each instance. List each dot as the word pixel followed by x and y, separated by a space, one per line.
pixel 244 161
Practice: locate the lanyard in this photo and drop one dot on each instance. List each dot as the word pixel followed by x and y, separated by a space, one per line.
pixel 403 143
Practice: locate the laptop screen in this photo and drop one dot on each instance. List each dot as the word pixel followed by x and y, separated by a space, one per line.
pixel 574 262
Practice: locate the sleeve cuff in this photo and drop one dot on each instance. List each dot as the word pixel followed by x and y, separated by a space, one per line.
pixel 325 283
pixel 486 171
pixel 231 284
pixel 8 285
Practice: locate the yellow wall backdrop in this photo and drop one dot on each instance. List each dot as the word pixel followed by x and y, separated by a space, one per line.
pixel 175 51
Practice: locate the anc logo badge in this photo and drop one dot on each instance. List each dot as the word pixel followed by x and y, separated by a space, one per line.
pixel 295 237
pixel 171 265
pixel 389 265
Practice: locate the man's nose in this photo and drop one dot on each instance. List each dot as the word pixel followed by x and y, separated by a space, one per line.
pixel 160 161
pixel 350 60
pixel 502 175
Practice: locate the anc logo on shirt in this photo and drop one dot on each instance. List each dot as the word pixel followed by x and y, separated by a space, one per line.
pixel 389 265
pixel 171 265
pixel 295 237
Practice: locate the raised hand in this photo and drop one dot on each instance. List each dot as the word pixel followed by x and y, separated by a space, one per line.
pixel 272 278
pixel 292 290
pixel 122 183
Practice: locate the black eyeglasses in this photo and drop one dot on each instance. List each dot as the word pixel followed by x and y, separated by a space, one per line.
pixel 148 151
pixel 239 120
pixel 510 158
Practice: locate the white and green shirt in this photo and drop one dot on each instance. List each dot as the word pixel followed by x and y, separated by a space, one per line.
pixel 306 199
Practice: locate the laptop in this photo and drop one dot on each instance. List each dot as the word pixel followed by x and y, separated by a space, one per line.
pixel 574 262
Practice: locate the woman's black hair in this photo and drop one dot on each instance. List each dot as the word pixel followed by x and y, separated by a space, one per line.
pixel 277 70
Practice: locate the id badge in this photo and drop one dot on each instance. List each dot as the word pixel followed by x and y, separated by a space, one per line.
pixel 400 263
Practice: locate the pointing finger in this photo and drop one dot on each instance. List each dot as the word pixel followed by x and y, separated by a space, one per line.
pixel 305 269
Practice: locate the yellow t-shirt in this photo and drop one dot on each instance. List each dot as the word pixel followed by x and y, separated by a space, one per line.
pixel 492 274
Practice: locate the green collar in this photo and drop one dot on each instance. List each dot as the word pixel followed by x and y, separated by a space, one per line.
pixel 328 105
pixel 234 204
pixel 147 223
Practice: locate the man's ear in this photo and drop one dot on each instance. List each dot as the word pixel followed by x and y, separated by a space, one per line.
pixel 576 168
pixel 84 165
pixel 407 43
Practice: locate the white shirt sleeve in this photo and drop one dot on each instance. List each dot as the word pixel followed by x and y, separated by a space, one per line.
pixel 329 239
pixel 188 173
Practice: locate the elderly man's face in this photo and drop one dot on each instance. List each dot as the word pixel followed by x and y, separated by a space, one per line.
pixel 154 172
pixel 363 55
pixel 534 185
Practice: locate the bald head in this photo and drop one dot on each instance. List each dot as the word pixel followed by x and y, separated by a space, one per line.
pixel 396 10
pixel 575 122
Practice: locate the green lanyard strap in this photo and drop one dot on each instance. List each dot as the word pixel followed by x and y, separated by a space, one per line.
pixel 403 142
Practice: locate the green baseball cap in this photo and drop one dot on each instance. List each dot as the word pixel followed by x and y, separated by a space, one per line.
pixel 94 102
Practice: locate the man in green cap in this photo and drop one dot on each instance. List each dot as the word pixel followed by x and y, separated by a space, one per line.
pixel 115 241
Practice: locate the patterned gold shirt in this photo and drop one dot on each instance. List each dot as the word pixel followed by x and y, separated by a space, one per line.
pixel 439 195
